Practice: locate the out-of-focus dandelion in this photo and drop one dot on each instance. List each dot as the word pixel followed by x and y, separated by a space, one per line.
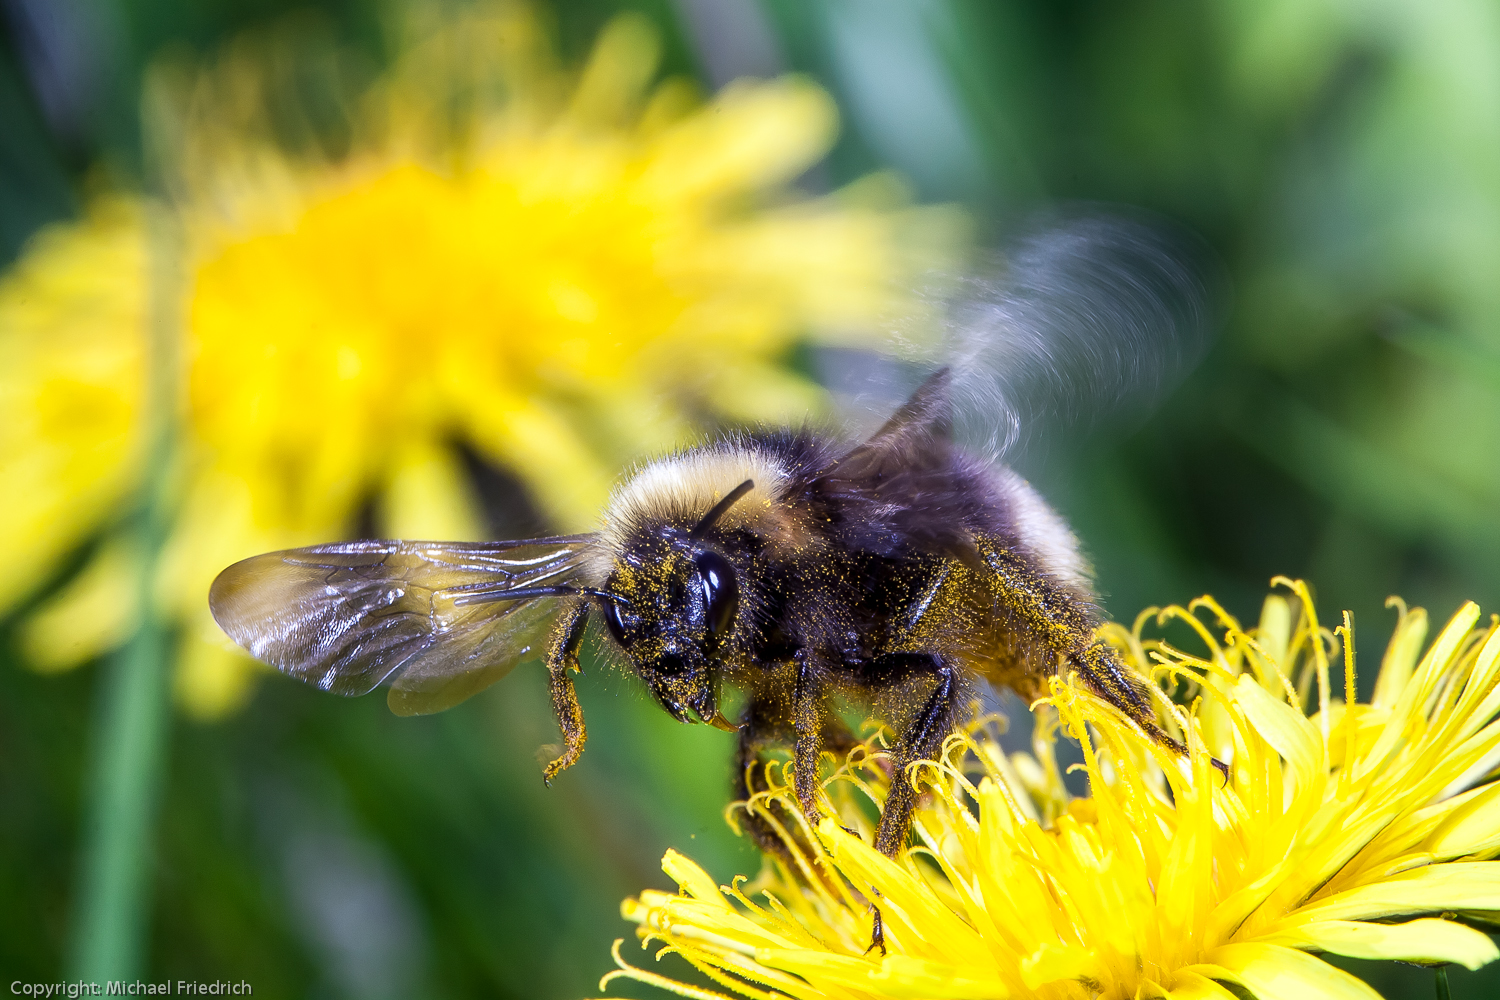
pixel 1365 830
pixel 72 346
pixel 557 273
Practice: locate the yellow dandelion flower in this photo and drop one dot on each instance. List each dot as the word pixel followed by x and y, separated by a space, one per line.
pixel 560 274
pixel 71 380
pixel 1365 830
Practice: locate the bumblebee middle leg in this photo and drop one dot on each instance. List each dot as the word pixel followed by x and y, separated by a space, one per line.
pixel 801 721
pixel 921 738
pixel 763 724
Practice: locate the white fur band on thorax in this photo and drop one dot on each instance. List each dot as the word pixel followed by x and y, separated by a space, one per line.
pixel 681 488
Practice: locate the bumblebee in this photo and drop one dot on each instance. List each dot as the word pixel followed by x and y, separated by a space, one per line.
pixel 899 573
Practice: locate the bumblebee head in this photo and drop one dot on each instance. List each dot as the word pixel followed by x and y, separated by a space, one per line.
pixel 674 609
pixel 674 616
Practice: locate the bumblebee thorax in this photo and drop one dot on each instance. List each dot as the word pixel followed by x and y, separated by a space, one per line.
pixel 676 491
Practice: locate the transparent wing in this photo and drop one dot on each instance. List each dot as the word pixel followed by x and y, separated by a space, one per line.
pixel 431 619
pixel 1084 318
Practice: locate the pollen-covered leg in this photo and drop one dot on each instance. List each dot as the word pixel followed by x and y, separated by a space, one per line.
pixel 1045 615
pixel 808 710
pixel 921 739
pixel 763 724
pixel 1038 612
pixel 767 724
pixel 1102 670
pixel 562 657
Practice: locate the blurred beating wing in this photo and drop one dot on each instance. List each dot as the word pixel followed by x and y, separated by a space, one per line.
pixel 1091 318
pixel 1086 320
pixel 421 616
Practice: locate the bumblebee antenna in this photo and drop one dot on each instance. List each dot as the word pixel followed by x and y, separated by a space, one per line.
pixel 721 508
pixel 606 595
pixel 526 593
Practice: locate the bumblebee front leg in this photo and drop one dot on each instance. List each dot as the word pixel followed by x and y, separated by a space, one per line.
pixel 771 714
pixel 562 657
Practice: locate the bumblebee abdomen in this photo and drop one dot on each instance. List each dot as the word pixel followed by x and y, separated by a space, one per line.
pixel 1039 534
pixel 996 579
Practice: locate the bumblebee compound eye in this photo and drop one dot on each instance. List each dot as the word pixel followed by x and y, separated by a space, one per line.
pixel 613 622
pixel 721 594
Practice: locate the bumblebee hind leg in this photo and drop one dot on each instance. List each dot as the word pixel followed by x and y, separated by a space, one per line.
pixel 1102 670
pixel 1053 622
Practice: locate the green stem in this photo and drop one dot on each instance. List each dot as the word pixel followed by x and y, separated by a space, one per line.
pixel 113 897
pixel 1442 984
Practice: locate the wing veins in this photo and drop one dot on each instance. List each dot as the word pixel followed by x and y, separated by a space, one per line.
pixel 350 617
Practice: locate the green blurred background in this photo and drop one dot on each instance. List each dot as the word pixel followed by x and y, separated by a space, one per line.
pixel 1342 161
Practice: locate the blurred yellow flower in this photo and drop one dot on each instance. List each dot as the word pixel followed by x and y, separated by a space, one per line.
pixel 560 274
pixel 72 314
pixel 1333 832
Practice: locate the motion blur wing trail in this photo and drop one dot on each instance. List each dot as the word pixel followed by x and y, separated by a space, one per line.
pixel 429 618
pixel 1086 317
pixel 1089 318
